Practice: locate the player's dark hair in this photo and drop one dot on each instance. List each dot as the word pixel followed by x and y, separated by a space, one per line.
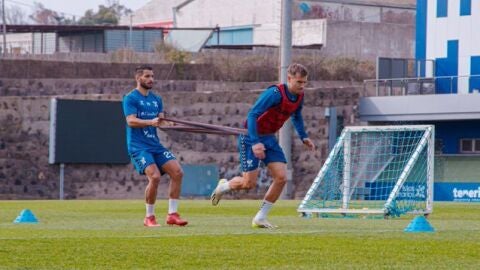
pixel 139 70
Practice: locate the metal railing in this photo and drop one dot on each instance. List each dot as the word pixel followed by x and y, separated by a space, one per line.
pixel 421 85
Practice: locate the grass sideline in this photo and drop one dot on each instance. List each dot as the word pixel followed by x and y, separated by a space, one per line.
pixel 94 234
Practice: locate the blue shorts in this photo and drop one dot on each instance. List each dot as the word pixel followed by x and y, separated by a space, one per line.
pixel 143 159
pixel 249 162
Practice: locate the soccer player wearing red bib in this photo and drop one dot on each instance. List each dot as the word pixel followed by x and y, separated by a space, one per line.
pixel 272 109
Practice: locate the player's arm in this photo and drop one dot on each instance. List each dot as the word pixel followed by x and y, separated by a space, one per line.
pixel 161 114
pixel 297 120
pixel 130 112
pixel 271 97
pixel 134 122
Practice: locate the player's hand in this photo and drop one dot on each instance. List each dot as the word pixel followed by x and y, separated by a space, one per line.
pixel 309 144
pixel 155 122
pixel 259 150
pixel 164 123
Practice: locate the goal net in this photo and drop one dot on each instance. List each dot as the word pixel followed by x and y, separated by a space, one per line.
pixel 376 170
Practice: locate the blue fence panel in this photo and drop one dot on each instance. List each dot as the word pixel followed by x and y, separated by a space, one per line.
pixel 199 180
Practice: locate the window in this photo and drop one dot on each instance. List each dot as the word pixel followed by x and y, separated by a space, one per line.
pixel 465 7
pixel 477 145
pixel 442 8
pixel 470 146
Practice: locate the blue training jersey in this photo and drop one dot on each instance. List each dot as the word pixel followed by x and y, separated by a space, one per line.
pixel 143 107
pixel 270 98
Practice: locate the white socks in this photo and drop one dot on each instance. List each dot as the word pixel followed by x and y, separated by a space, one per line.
pixel 172 206
pixel 150 209
pixel 224 187
pixel 264 209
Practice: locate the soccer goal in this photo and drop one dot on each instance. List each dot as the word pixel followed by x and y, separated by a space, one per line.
pixel 376 170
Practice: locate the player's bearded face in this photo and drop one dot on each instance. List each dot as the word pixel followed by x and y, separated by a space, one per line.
pixel 146 80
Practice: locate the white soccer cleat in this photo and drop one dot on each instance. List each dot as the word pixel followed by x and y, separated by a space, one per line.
pixel 217 193
pixel 263 224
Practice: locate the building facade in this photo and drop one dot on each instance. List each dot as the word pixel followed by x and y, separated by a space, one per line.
pixel 386 27
pixel 49 39
pixel 446 37
pixel 447 34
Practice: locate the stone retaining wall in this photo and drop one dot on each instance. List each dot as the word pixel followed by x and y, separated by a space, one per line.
pixel 24 137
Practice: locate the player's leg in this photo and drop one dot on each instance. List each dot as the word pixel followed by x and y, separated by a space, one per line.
pixel 278 171
pixel 249 164
pixel 153 175
pixel 174 170
pixel 276 163
pixel 172 167
pixel 145 164
pixel 248 180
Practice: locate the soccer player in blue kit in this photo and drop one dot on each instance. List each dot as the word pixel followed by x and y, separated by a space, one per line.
pixel 144 111
pixel 273 107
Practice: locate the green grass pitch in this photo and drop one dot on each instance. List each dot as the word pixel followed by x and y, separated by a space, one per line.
pixel 110 235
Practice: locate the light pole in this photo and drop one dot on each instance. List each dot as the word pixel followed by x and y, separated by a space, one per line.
pixel 286 133
pixel 130 45
pixel 4 29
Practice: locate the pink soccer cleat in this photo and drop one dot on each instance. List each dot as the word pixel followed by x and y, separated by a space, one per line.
pixel 150 222
pixel 174 219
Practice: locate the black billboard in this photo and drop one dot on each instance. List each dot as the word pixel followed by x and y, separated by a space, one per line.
pixel 87 131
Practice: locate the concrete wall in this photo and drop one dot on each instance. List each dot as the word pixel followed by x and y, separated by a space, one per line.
pixel 214 65
pixel 24 169
pixel 121 56
pixel 209 13
pixel 364 29
pixel 52 87
pixel 357 11
pixel 30 69
pixel 364 40
pixel 24 132
pixel 385 28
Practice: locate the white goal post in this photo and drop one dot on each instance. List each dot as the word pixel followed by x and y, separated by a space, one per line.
pixel 376 170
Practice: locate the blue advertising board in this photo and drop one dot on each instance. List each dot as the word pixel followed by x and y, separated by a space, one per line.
pixel 456 192
pixel 409 191
pixel 452 192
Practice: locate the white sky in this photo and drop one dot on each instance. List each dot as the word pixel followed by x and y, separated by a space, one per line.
pixel 72 7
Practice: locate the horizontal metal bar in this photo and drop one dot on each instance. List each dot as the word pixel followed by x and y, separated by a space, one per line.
pixel 387 128
pixel 342 211
pixel 419 78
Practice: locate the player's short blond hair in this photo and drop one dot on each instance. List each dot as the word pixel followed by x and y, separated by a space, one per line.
pixel 293 69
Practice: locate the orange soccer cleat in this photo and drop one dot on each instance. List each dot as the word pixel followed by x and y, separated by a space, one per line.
pixel 174 219
pixel 150 222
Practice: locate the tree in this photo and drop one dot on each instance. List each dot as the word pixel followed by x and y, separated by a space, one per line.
pixel 108 14
pixel 14 15
pixel 42 15
pixel 62 19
